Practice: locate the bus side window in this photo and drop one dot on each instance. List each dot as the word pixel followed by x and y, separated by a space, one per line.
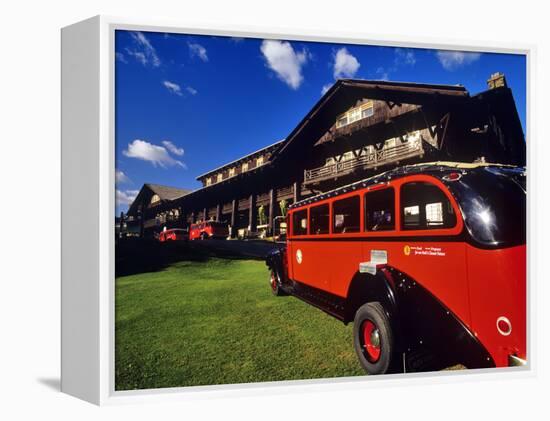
pixel 299 222
pixel 380 210
pixel 425 206
pixel 319 219
pixel 346 215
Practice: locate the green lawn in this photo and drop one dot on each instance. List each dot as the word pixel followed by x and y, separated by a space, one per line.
pixel 215 321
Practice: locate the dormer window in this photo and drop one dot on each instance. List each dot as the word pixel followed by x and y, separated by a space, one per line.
pixel 220 177
pixel 356 113
pixel 259 161
pixel 208 181
pixel 231 172
pixel 155 200
pixel 245 167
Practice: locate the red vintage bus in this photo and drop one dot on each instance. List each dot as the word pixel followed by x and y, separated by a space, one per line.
pixel 174 234
pixel 428 261
pixel 208 229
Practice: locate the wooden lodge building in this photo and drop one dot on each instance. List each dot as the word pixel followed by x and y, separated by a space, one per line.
pixel 358 128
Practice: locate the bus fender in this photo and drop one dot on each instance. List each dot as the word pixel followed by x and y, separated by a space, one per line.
pixel 275 260
pixel 431 335
pixel 366 287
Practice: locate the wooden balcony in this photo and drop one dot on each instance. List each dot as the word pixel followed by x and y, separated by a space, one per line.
pixel 372 160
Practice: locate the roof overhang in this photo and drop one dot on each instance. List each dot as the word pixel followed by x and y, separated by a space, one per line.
pixel 345 93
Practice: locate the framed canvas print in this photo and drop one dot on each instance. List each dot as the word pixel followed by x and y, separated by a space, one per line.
pixel 245 210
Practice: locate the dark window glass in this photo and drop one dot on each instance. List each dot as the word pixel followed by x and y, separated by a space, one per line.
pixel 493 202
pixel 319 219
pixel 367 112
pixel 346 215
pixel 425 206
pixel 299 222
pixel 380 210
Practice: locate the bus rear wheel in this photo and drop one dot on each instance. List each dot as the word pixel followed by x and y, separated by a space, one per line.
pixel 374 340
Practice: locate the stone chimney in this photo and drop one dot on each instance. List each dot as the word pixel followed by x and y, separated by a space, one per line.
pixel 497 80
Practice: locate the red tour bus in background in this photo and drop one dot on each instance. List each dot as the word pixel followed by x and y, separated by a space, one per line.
pixel 428 261
pixel 208 229
pixel 174 234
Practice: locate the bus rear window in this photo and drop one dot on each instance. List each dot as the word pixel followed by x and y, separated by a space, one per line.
pixel 299 222
pixel 380 210
pixel 346 215
pixel 425 206
pixel 319 219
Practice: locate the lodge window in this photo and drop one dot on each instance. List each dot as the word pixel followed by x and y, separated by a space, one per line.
pixel 319 219
pixel 329 161
pixel 245 167
pixel 425 206
pixel 346 215
pixel 155 199
pixel 231 172
pixel 208 181
pixel 342 121
pixel 299 222
pixel 220 177
pixel 354 114
pixel 260 161
pixel 380 210
pixel 367 112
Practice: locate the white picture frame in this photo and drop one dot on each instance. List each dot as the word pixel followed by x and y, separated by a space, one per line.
pixel 88 194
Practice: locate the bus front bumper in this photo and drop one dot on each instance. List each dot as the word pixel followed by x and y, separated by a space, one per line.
pixel 515 361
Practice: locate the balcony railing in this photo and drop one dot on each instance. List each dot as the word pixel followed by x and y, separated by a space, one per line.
pixel 370 160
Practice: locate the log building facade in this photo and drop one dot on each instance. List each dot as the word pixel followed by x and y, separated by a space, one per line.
pixel 358 128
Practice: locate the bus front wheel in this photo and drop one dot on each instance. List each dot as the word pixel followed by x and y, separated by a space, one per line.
pixel 374 339
pixel 275 284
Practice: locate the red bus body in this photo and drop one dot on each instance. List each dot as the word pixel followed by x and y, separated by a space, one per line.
pixel 208 229
pixel 481 284
pixel 174 234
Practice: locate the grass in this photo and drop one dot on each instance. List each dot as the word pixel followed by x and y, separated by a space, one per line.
pixel 214 321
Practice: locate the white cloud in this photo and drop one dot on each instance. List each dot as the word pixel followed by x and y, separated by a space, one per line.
pixel 120 57
pixel 191 90
pixel 198 51
pixel 325 88
pixel 172 87
pixel 345 64
pixel 451 60
pixel 284 61
pixel 144 52
pixel 382 74
pixel 120 177
pixel 155 154
pixel 125 198
pixel 404 56
pixel 172 148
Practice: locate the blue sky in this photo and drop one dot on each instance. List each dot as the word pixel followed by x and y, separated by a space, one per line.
pixel 186 104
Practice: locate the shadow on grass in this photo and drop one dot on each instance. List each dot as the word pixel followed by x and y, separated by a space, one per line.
pixel 136 255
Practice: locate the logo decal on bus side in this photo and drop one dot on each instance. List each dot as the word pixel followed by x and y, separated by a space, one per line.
pixel 407 250
pixel 299 256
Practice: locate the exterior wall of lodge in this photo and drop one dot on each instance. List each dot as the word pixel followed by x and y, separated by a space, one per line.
pixel 369 137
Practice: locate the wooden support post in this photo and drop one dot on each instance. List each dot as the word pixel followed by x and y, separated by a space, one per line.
pixel 252 213
pixel 233 232
pixel 141 222
pixel 297 191
pixel 205 215
pixel 271 212
pixel 193 217
pixel 121 224
pixel 218 212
